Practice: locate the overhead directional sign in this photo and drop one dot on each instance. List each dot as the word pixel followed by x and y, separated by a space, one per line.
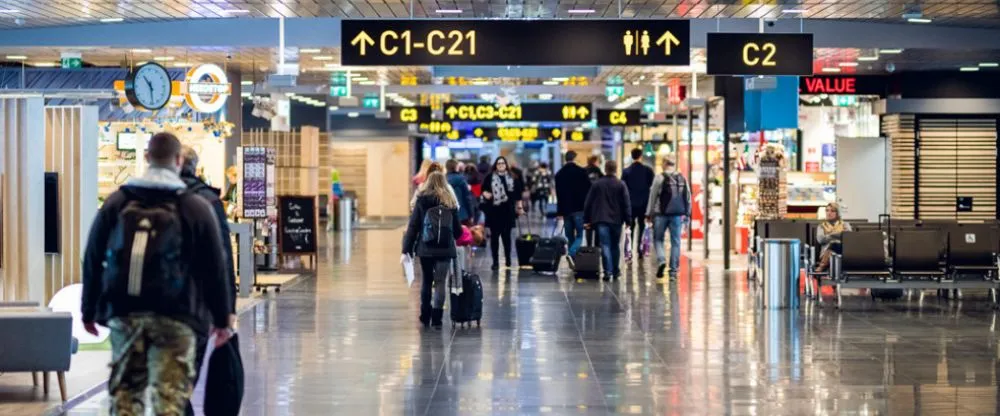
pixel 519 134
pixel 416 114
pixel 579 112
pixel 611 118
pixel 434 127
pixel 760 54
pixel 515 42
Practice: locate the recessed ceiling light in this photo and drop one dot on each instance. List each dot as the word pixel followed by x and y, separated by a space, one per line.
pixel 868 58
pixel 367 83
pixel 310 50
pixel 111 20
pixel 45 64
pixel 829 69
pixel 334 108
pixel 545 96
pixel 918 20
pixel 890 51
pixel 142 50
pixel 480 82
pixel 246 82
pixel 580 11
pixel 17 57
pixel 793 11
pixel 988 64
pixel 353 114
pixel 323 58
pixel 163 58
pixel 182 64
pixel 234 11
pixel 448 11
pixel 560 79
pixel 246 94
pixel 969 68
pixel 9 11
pixel 848 64
pixel 550 82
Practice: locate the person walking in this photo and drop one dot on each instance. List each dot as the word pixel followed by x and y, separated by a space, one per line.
pixel 638 178
pixel 501 202
pixel 483 167
pixel 594 173
pixel 572 186
pixel 154 272
pixel 606 209
pixel 668 206
pixel 431 234
pixel 422 173
pixel 459 185
pixel 541 188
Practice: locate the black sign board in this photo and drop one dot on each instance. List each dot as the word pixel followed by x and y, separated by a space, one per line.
pixel 296 224
pixel 514 42
pixel 760 54
pixel 519 134
pixel 963 204
pixel 612 118
pixel 400 114
pixel 434 127
pixel 579 112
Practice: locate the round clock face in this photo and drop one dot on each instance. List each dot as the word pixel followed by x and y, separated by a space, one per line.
pixel 149 87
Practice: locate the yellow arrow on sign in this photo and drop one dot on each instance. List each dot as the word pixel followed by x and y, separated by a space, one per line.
pixel 667 40
pixel 452 111
pixel 363 38
pixel 583 112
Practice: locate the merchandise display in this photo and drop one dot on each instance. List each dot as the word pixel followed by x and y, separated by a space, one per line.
pixel 772 182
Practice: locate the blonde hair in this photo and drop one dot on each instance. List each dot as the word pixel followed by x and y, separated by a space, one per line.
pixel 424 167
pixel 437 185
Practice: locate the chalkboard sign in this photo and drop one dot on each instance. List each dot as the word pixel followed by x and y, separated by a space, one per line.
pixel 296 224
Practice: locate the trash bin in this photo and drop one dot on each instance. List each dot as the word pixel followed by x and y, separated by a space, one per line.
pixel 780 258
pixel 345 214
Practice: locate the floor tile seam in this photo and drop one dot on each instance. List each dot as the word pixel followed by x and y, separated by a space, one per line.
pixel 645 334
pixel 437 380
pixel 583 344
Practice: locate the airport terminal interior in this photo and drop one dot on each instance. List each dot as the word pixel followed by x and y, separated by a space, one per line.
pixel 836 163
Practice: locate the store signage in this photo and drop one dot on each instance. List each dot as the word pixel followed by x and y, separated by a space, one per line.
pixel 296 224
pixel 415 114
pixel 676 93
pixel 611 118
pixel 525 112
pixel 843 85
pixel 207 88
pixel 760 54
pixel 515 42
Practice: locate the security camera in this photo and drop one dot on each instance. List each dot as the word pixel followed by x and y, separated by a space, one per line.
pixel 890 67
pixel 770 23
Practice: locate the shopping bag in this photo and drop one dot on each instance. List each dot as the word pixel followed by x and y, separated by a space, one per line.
pixel 407 263
pixel 646 242
pixel 628 246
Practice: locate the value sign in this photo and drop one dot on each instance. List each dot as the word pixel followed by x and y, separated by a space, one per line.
pixel 760 54
pixel 416 114
pixel 611 118
pixel 525 112
pixel 514 42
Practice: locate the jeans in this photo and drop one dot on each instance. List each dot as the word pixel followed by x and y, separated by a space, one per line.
pixel 610 237
pixel 638 223
pixel 573 227
pixel 675 224
pixel 434 280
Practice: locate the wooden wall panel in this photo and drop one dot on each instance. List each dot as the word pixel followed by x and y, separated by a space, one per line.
pixel 899 128
pixel 71 151
pixel 22 199
pixel 957 159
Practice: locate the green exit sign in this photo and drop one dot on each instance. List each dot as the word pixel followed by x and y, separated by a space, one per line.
pixel 370 101
pixel 71 63
pixel 338 91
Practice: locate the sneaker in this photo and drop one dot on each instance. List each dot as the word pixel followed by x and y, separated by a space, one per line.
pixel 660 269
pixel 570 262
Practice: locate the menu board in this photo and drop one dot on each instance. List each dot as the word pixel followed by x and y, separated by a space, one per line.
pixel 254 182
pixel 296 224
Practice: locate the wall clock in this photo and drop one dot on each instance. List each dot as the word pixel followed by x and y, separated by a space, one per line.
pixel 148 86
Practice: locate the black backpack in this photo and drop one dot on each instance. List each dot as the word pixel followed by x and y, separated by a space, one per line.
pixel 671 182
pixel 144 271
pixel 437 230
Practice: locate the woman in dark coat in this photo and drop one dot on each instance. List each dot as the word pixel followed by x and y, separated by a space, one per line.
pixel 501 202
pixel 436 252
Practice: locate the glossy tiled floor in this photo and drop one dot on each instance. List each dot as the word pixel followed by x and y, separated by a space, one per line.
pixel 347 343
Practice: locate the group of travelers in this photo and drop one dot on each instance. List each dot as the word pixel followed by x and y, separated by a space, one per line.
pixel 158 272
pixel 590 201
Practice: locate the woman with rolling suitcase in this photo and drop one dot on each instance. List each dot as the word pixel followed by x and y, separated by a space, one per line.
pixel 431 234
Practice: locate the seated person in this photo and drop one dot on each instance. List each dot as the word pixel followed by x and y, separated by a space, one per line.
pixel 828 235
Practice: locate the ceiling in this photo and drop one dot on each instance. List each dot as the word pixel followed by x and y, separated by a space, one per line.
pixel 31 13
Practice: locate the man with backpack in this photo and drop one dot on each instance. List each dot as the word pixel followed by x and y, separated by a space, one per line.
pixel 154 272
pixel 669 205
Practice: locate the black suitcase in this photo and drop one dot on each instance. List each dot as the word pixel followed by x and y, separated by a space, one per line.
pixel 525 245
pixel 549 252
pixel 467 306
pixel 224 381
pixel 588 263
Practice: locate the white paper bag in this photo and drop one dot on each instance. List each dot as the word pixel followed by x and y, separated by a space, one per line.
pixel 407 263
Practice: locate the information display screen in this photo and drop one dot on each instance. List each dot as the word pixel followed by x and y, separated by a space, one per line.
pixel 515 42
pixel 760 54
pixel 416 114
pixel 579 112
pixel 611 118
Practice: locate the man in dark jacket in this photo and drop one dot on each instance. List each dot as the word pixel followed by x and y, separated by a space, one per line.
pixel 466 202
pixel 638 178
pixel 153 332
pixel 669 204
pixel 606 209
pixel 572 185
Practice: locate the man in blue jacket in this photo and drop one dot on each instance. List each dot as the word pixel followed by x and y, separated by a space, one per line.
pixel 462 192
pixel 638 178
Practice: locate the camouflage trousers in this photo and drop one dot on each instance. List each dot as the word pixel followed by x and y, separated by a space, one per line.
pixel 153 351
